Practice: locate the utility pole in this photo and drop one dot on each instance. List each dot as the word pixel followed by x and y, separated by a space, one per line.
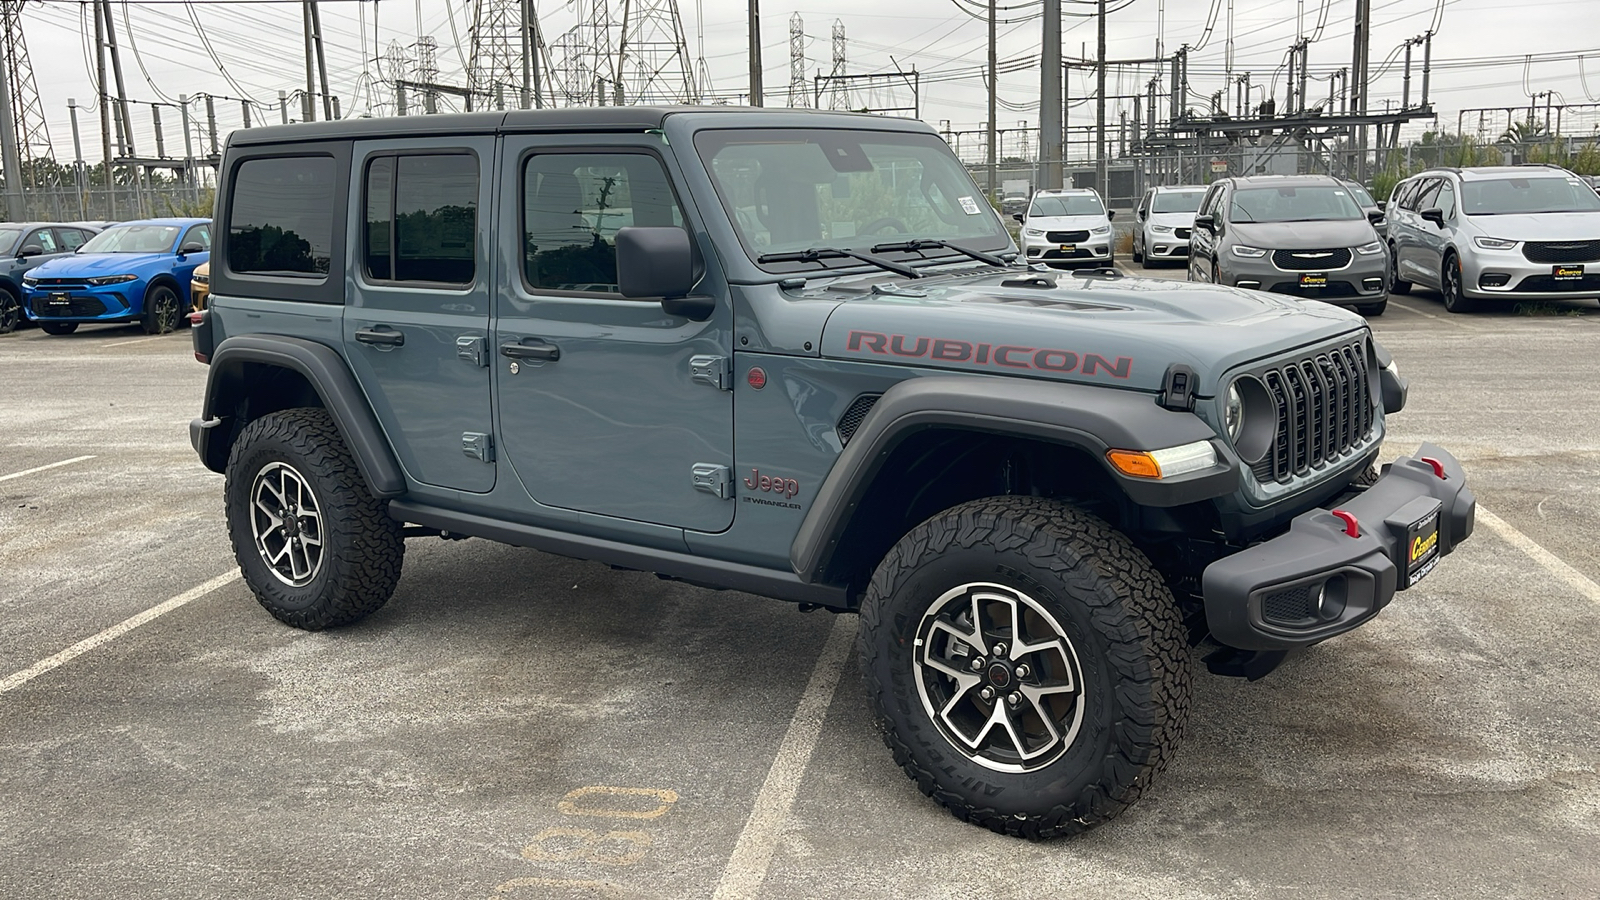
pixel 128 148
pixel 188 149
pixel 9 156
pixel 994 160
pixel 1358 89
pixel 1102 171
pixel 322 60
pixel 105 107
pixel 755 54
pixel 77 157
pixel 527 52
pixel 1050 150
pixel 308 103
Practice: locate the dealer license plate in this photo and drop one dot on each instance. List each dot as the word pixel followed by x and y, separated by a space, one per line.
pixel 1068 248
pixel 1566 273
pixel 1422 548
pixel 1314 280
pixel 60 300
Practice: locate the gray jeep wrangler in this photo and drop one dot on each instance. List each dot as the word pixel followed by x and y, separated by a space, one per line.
pixel 794 354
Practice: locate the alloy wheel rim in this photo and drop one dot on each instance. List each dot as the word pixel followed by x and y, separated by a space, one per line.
pixel 10 312
pixel 166 308
pixel 1452 282
pixel 999 677
pixel 286 522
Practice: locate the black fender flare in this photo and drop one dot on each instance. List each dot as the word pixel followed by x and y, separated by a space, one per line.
pixel 1091 418
pixel 328 375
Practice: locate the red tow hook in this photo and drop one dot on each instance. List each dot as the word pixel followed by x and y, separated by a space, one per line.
pixel 1438 467
pixel 1351 526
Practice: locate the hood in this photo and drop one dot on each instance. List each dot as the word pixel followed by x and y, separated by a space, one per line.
pixel 1575 226
pixel 1303 235
pixel 1121 332
pixel 1175 219
pixel 91 265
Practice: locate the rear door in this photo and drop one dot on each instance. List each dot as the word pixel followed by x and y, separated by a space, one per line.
pixel 1410 250
pixel 416 327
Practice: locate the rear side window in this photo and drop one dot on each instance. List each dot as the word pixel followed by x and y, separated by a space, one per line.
pixel 421 220
pixel 280 222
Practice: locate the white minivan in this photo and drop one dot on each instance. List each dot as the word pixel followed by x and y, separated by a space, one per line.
pixel 1067 228
pixel 1166 218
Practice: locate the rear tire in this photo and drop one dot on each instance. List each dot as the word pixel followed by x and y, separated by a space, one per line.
pixel 59 327
pixel 161 312
pixel 1078 640
pixel 316 548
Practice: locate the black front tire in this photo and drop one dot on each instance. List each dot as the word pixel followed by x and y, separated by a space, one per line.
pixel 1451 290
pixel 360 548
pixel 1373 310
pixel 1396 284
pixel 10 311
pixel 1123 642
pixel 59 327
pixel 161 310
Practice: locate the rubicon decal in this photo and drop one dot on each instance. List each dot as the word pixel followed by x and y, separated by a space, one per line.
pixel 1008 356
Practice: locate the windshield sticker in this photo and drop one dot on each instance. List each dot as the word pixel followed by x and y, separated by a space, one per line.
pixel 970 205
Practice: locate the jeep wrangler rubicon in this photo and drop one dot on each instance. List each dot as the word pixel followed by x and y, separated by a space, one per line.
pixel 808 341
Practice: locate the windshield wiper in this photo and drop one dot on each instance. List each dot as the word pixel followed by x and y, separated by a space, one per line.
pixel 816 254
pixel 920 244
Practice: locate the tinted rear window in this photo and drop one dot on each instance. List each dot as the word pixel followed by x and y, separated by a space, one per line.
pixel 281 219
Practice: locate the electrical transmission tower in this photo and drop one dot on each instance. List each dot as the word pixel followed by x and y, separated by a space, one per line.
pixel 427 65
pixel 27 112
pixel 799 95
pixel 496 72
pixel 840 96
pixel 584 59
pixel 653 57
pixel 396 68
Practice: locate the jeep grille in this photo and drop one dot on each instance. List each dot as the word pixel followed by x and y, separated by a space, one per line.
pixel 1325 408
pixel 851 420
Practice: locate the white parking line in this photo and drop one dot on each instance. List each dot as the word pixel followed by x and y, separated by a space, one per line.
pixel 153 337
pixel 1553 564
pixel 54 465
pixel 18 679
pixel 752 856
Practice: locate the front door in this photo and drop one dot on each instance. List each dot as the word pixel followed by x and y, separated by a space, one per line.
pixel 416 324
pixel 600 409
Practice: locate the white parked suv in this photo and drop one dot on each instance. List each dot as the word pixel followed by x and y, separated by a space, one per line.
pixel 1067 228
pixel 1166 218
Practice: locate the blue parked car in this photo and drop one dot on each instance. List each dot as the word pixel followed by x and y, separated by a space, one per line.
pixel 137 271
pixel 26 245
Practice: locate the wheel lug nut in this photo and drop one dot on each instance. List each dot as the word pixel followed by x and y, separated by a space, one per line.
pixel 999 649
pixel 987 693
pixel 1023 670
pixel 977 664
pixel 1014 698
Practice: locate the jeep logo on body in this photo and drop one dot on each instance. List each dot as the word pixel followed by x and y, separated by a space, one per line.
pixel 784 487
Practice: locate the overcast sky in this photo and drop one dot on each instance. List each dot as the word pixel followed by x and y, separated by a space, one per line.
pixel 260 44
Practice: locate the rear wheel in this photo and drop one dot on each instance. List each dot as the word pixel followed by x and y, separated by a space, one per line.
pixel 59 327
pixel 316 548
pixel 1396 286
pixel 1027 664
pixel 161 313
pixel 1455 299
pixel 10 311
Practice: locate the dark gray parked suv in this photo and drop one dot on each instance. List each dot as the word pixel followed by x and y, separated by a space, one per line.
pixel 1301 235
pixel 796 354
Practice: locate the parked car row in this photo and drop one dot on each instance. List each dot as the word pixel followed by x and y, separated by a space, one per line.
pixel 63 275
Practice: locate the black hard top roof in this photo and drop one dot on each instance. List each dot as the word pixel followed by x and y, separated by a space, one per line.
pixel 593 118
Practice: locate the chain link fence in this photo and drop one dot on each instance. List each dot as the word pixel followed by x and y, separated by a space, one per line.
pixel 118 204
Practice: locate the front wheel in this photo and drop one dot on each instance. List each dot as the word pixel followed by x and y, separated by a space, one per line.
pixel 316 548
pixel 59 327
pixel 1455 298
pixel 161 313
pixel 1372 310
pixel 10 311
pixel 1027 665
pixel 1397 285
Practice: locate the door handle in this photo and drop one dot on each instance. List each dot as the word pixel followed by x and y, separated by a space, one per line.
pixel 381 336
pixel 540 350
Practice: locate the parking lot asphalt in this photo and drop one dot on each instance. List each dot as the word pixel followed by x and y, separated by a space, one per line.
pixel 514 724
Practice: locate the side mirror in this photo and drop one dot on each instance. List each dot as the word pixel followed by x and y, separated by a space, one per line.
pixel 1435 215
pixel 1144 214
pixel 1375 216
pixel 30 250
pixel 1207 221
pixel 658 262
pixel 191 247
pixel 1110 214
pixel 1383 205
pixel 1018 217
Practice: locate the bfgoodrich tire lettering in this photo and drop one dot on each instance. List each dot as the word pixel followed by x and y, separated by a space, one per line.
pixel 1122 632
pixel 359 548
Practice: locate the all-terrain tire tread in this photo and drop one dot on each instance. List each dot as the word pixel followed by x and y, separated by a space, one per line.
pixel 1132 609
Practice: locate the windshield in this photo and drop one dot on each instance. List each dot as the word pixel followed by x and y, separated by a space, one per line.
pixel 1303 203
pixel 132 239
pixel 1361 195
pixel 1527 195
pixel 1177 201
pixel 1066 205
pixel 789 189
pixel 8 236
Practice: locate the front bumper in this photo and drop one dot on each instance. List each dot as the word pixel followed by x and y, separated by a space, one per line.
pixel 1318 580
pixel 1365 279
pixel 1168 245
pixel 1095 250
pixel 1507 274
pixel 84 303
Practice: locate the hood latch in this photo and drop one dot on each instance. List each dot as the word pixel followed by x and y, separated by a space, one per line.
pixel 1177 389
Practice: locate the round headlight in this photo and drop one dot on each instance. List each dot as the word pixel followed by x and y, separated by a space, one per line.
pixel 1233 414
